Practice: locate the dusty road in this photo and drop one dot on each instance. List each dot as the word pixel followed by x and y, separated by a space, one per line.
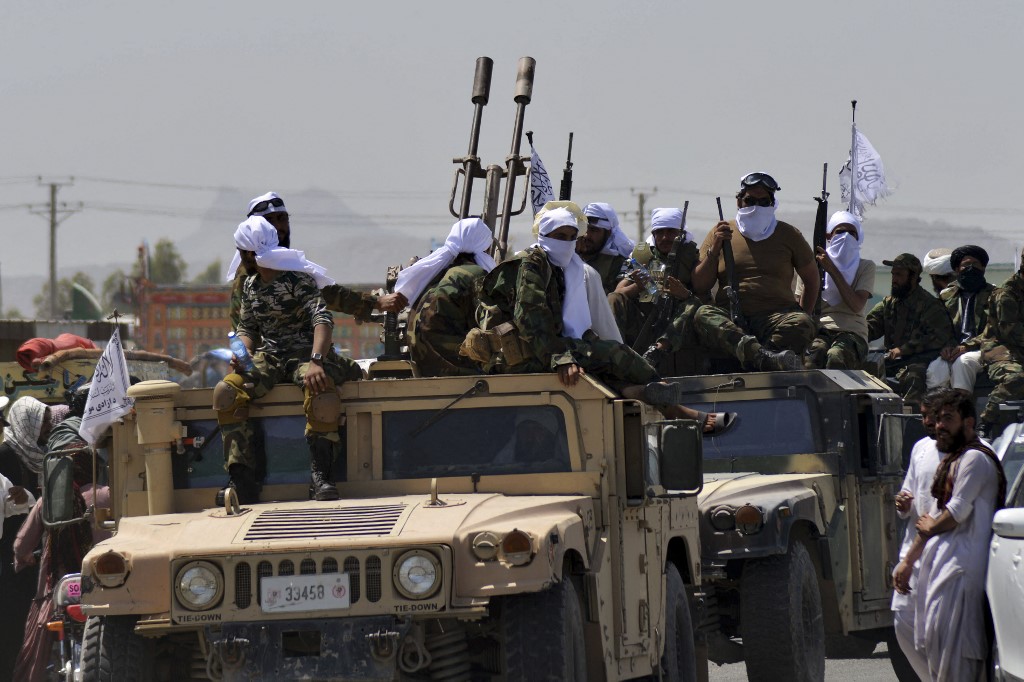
pixel 874 669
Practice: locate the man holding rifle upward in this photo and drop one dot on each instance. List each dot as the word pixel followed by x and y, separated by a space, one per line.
pixel 775 331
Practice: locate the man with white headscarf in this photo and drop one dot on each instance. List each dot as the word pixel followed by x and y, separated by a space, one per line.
pixel 282 311
pixel 936 264
pixel 604 246
pixel 441 290
pixel 633 304
pixel 339 298
pixel 842 341
pixel 767 253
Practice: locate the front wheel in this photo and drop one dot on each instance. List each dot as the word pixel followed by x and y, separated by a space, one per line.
pixel 543 636
pixel 112 652
pixel 678 661
pixel 780 618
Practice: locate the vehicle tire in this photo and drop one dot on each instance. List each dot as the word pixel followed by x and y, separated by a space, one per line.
pixel 849 646
pixel 900 665
pixel 543 636
pixel 780 618
pixel 678 661
pixel 112 652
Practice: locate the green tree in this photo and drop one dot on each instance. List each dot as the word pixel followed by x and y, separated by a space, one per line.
pixel 116 291
pixel 13 313
pixel 166 266
pixel 213 274
pixel 41 301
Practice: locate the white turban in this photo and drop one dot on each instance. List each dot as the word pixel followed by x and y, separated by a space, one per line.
pixel 844 250
pixel 470 235
pixel 575 306
pixel 257 235
pixel 604 217
pixel 936 262
pixel 26 425
pixel 667 219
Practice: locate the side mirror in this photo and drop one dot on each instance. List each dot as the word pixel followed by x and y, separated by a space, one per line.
pixel 680 456
pixel 1009 523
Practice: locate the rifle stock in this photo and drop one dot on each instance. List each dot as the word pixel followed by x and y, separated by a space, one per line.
pixel 732 287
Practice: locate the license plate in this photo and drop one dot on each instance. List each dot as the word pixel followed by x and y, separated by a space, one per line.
pixel 305 593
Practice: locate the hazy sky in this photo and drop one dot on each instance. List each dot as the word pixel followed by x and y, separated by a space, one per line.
pixel 370 101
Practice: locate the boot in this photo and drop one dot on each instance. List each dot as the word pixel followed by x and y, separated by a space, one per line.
pixel 243 480
pixel 777 361
pixel 321 463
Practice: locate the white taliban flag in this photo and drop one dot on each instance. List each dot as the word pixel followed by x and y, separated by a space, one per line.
pixel 108 395
pixel 541 191
pixel 865 168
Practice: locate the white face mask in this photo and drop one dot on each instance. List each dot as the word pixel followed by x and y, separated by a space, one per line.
pixel 558 251
pixel 844 249
pixel 756 222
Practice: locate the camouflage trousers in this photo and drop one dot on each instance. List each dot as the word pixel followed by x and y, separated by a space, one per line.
pixel 791 330
pixel 607 360
pixel 1008 376
pixel 911 375
pixel 236 430
pixel 629 315
pixel 833 349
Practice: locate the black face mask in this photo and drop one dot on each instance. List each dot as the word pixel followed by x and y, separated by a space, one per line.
pixel 971 279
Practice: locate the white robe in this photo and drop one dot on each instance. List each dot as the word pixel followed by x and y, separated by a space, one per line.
pixel 602 320
pixel 949 622
pixel 924 460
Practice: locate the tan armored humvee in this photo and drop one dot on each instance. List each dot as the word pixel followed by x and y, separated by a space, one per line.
pixel 490 528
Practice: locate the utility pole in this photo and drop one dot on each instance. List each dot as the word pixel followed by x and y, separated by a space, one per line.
pixel 642 197
pixel 56 215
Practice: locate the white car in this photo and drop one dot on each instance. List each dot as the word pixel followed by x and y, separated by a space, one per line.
pixel 1005 580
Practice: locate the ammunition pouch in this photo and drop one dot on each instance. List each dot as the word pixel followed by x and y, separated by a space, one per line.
pixel 482 345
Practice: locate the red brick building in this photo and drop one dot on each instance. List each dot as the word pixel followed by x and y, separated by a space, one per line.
pixel 185 320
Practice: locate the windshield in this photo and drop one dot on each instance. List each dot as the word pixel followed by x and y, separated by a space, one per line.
pixel 779 426
pixel 486 441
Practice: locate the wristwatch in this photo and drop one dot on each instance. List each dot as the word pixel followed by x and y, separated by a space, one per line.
pixel 316 357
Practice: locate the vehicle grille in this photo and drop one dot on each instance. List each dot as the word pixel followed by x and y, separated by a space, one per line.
pixel 357 568
pixel 316 522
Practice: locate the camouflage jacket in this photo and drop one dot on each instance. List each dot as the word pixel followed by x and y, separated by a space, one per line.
pixel 1006 317
pixel 917 324
pixel 341 299
pixel 528 291
pixel 235 311
pixel 283 312
pixel 955 303
pixel 442 317
pixel 609 266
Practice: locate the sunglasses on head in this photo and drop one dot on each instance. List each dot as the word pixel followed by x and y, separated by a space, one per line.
pixel 747 200
pixel 264 205
pixel 768 181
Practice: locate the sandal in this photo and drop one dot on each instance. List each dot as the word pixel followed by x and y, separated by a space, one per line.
pixel 723 421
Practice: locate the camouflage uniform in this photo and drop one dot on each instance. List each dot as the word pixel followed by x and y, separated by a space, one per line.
pixel 1002 349
pixel 950 297
pixel 441 318
pixel 339 299
pixel 527 291
pixel 283 313
pixel 609 266
pixel 919 326
pixel 836 349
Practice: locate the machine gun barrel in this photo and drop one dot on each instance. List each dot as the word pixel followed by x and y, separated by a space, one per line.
pixel 565 190
pixel 470 163
pixel 514 165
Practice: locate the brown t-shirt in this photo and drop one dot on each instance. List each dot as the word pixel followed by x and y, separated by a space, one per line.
pixel 764 269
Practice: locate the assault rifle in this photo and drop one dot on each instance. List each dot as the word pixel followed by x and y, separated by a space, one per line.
pixel 664 306
pixel 565 191
pixel 732 287
pixel 820 235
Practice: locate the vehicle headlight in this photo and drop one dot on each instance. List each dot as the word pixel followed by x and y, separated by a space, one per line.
pixel 749 519
pixel 111 569
pixel 199 585
pixel 417 574
pixel 485 546
pixel 721 518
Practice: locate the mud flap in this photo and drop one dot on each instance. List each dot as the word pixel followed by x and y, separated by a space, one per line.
pixel 336 648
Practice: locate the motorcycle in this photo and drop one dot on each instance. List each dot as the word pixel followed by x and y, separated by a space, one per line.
pixel 68 621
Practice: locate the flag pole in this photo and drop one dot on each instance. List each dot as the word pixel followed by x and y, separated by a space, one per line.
pixel 853 156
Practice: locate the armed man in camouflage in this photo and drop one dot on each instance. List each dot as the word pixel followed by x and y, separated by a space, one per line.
pixel 442 289
pixel 534 317
pixel 282 307
pixel 1002 350
pixel 774 330
pixel 270 207
pixel 966 300
pixel 914 325
pixel 604 246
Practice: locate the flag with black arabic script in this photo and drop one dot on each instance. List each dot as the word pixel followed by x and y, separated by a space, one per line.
pixel 108 392
pixel 541 191
pixel 862 179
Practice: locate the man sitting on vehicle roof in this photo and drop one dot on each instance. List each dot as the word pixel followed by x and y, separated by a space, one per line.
pixel 776 330
pixel 936 266
pixel 282 306
pixel 535 317
pixel 604 246
pixel 1002 350
pixel 914 326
